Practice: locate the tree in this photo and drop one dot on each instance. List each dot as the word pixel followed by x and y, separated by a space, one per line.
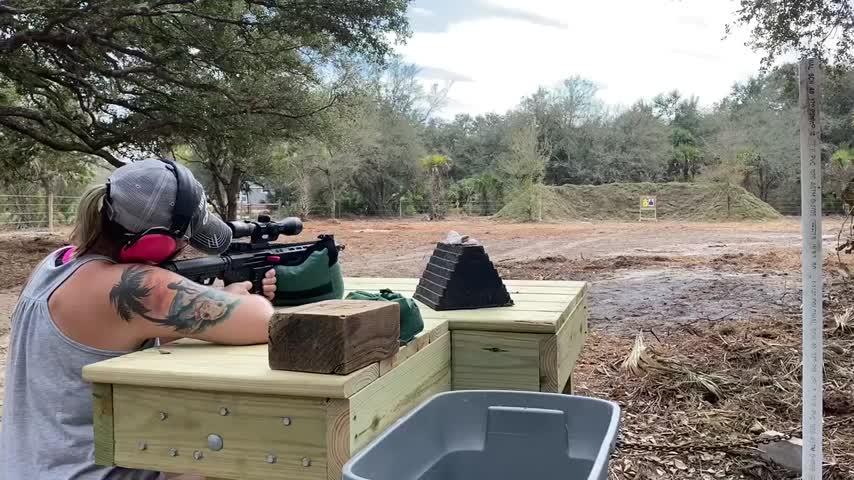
pixel 310 172
pixel 687 133
pixel 524 166
pixel 567 117
pixel 634 147
pixel 399 88
pixel 226 165
pixel 727 176
pixel 820 28
pixel 437 167
pixel 473 143
pixel 298 168
pixel 842 168
pixel 385 159
pixel 664 105
pixel 112 78
pixel 686 158
pixel 29 166
pixel 489 192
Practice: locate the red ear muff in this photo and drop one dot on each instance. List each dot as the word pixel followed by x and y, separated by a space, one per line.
pixel 150 248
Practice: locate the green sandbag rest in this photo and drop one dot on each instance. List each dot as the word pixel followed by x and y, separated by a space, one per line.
pixel 411 322
pixel 313 280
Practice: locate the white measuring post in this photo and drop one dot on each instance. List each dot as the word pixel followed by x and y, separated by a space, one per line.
pixel 811 263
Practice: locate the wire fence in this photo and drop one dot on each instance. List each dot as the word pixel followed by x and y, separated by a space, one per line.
pixel 31 212
pixel 829 206
pixel 390 210
pixel 34 212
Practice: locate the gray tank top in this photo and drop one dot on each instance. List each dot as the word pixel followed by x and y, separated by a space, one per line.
pixel 46 432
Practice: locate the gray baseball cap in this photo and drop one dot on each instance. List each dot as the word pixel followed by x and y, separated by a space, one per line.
pixel 142 196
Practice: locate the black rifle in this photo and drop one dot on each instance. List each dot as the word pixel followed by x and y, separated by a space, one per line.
pixel 251 260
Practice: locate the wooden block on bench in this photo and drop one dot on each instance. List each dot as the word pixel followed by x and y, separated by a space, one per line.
pixel 334 336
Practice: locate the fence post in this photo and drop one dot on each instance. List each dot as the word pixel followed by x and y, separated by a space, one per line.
pixel 50 212
pixel 811 266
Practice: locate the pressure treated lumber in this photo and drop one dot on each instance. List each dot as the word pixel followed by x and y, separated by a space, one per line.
pixel 570 341
pixel 262 436
pixel 540 307
pixel 334 336
pixel 337 437
pixel 206 367
pixel 496 360
pixel 376 406
pixel 559 352
pixel 102 409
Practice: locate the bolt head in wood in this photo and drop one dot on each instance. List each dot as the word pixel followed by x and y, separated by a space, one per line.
pixel 223 411
pixel 197 455
pixel 286 421
pixel 141 445
pixel 214 442
pixel 173 452
pixel 306 462
pixel 163 416
pixel 271 458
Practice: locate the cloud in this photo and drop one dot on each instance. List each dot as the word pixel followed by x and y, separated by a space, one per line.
pixel 693 20
pixel 434 16
pixel 437 73
pixel 695 54
pixel 421 12
pixel 631 49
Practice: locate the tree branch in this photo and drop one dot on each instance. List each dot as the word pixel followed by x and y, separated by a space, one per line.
pixel 58 145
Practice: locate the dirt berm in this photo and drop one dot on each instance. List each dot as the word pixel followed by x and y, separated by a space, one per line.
pixel 621 202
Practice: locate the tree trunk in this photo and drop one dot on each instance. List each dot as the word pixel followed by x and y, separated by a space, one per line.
pixel 331 180
pixel 45 181
pixel 305 196
pixel 436 195
pixel 232 191
pixel 334 199
pixel 220 198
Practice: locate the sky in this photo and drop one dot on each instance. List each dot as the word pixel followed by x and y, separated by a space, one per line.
pixel 498 51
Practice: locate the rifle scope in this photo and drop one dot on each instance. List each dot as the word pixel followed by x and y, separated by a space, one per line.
pixel 265 230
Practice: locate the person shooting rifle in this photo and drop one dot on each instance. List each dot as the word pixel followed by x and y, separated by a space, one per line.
pixel 107 295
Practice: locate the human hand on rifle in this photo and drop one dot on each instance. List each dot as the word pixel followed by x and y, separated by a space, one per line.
pixel 268 283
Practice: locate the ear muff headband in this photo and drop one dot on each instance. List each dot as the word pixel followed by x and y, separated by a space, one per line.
pixel 186 200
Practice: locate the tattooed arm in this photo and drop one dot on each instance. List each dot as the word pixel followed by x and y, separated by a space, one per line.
pixel 162 304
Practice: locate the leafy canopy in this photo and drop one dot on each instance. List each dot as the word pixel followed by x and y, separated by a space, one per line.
pixel 820 28
pixel 111 77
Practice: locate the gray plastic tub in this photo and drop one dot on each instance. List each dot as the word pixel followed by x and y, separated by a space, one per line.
pixel 494 435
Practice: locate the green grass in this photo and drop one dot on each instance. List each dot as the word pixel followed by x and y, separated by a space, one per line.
pixel 621 202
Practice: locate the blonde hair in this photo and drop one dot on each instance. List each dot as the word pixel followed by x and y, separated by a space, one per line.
pixel 89 227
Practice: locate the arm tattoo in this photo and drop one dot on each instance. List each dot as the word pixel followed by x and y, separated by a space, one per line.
pixel 193 310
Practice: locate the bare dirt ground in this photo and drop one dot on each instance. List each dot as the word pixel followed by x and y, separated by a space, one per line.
pixel 717 306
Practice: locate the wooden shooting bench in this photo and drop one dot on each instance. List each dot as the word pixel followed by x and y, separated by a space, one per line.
pixel 220 411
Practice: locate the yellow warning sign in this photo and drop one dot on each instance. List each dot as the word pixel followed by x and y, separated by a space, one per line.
pixel 648 204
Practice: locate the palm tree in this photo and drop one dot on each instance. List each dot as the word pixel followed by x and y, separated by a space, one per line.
pixel 129 294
